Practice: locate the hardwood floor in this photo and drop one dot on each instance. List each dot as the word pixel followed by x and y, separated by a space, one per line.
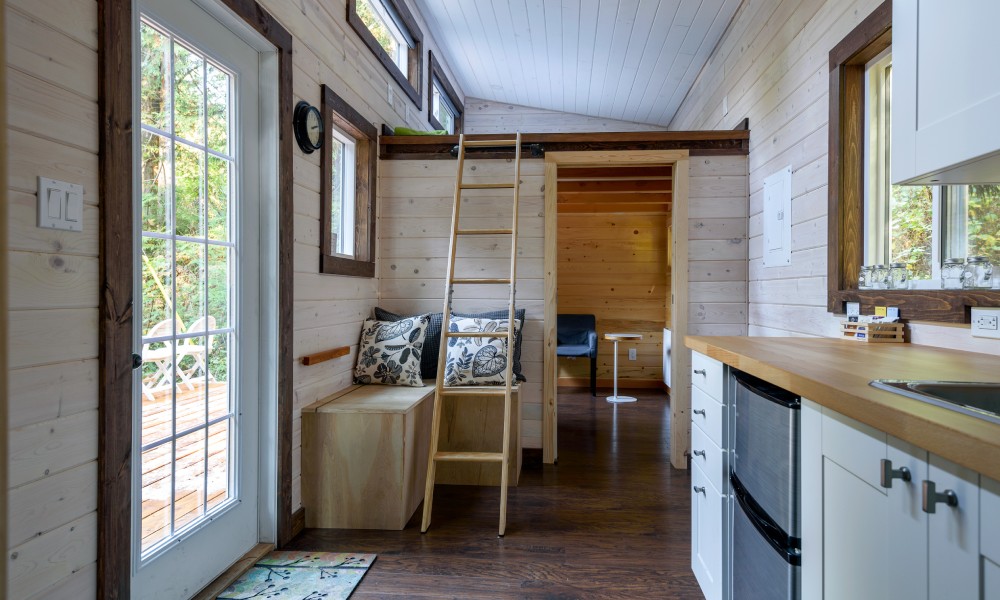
pixel 610 520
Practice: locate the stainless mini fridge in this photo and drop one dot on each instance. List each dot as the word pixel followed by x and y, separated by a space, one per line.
pixel 764 474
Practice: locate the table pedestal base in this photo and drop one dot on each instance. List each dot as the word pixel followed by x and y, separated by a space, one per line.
pixel 620 399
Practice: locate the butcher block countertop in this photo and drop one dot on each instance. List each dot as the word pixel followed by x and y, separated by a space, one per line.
pixel 835 373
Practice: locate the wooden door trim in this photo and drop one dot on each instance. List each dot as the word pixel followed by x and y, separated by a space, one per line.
pixel 114 546
pixel 550 365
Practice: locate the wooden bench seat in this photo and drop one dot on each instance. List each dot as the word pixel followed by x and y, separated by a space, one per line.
pixel 364 456
pixel 364 451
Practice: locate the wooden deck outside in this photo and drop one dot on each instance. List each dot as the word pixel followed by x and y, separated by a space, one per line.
pixel 190 485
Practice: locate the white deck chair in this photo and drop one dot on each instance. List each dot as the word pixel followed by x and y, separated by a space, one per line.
pixel 198 351
pixel 162 357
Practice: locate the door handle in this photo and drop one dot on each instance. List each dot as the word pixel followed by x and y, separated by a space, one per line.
pixel 136 361
pixel 700 453
pixel 931 498
pixel 698 411
pixel 888 473
pixel 699 489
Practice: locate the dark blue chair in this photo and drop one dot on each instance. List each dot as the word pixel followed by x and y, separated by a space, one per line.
pixel 576 337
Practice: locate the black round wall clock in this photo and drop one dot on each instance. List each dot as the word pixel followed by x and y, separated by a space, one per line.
pixel 308 126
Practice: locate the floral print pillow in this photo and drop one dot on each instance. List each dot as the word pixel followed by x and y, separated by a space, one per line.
pixel 390 351
pixel 478 361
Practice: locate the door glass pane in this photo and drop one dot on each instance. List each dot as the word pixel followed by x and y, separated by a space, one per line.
pixel 218 198
pixel 190 276
pixel 189 484
pixel 156 180
pixel 189 94
pixel 187 283
pixel 218 109
pixel 157 483
pixel 155 76
pixel 219 278
pixel 189 191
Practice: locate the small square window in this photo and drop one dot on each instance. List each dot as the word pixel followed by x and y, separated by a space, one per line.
pixel 347 238
pixel 444 110
pixel 391 33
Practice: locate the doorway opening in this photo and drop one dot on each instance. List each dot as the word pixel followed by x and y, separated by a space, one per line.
pixel 596 184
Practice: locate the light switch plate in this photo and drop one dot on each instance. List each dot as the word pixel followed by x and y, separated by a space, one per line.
pixel 60 205
pixel 631 354
pixel 986 322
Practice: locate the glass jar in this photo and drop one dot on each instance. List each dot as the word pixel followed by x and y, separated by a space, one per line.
pixel 879 278
pixel 865 278
pixel 898 276
pixel 978 274
pixel 952 273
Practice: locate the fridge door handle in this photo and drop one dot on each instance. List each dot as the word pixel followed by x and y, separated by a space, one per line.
pixel 787 546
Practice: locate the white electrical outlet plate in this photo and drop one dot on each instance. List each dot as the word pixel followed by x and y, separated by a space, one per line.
pixel 986 322
pixel 631 353
pixel 853 309
pixel 892 313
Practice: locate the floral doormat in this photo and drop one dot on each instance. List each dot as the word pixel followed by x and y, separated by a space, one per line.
pixel 290 575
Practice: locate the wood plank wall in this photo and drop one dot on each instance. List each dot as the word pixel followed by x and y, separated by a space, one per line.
pixel 614 266
pixel 415 202
pixel 3 298
pixel 487 116
pixel 772 67
pixel 51 48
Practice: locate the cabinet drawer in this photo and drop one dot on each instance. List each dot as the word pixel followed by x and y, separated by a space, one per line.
pixel 854 446
pixel 708 414
pixel 706 373
pixel 707 455
pixel 708 522
pixel 989 509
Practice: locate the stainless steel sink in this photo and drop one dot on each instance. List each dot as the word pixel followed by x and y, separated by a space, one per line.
pixel 977 399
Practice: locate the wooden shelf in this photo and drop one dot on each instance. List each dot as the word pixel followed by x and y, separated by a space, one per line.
pixel 439 147
pixel 944 306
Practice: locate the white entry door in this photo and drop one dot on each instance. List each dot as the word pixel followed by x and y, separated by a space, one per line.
pixel 197 205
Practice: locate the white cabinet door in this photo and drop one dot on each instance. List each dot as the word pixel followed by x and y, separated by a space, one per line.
pixel 991 579
pixel 946 94
pixel 854 536
pixel 708 521
pixel 906 563
pixel 953 533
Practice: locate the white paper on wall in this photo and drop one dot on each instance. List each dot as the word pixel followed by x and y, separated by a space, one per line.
pixel 777 218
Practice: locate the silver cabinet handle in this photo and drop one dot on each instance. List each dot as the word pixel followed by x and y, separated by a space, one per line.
pixel 699 489
pixel 700 453
pixel 931 498
pixel 700 372
pixel 888 473
pixel 698 411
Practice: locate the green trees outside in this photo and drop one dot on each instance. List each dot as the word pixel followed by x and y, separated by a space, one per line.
pixel 912 230
pixel 186 187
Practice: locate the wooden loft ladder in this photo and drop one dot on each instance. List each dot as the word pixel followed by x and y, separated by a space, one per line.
pixel 509 388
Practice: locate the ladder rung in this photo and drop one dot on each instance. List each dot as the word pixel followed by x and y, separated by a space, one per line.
pixel 487 186
pixel 474 334
pixel 477 390
pixel 469 456
pixel 489 143
pixel 475 281
pixel 484 231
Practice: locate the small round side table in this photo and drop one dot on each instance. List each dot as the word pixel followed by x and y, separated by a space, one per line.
pixel 620 337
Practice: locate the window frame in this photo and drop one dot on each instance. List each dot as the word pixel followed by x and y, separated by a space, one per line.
pixel 411 81
pixel 340 115
pixel 436 72
pixel 846 188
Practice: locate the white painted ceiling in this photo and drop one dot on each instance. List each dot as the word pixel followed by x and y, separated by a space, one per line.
pixel 631 60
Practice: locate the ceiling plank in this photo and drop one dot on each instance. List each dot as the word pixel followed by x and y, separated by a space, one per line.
pixel 645 209
pixel 629 198
pixel 635 186
pixel 567 173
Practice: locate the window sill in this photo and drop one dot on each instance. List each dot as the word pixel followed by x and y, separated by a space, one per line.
pixel 942 306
